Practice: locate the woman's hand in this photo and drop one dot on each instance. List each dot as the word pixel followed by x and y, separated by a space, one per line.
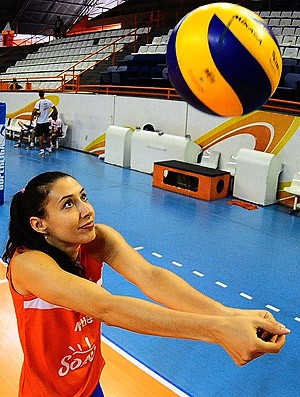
pixel 247 335
pixel 263 334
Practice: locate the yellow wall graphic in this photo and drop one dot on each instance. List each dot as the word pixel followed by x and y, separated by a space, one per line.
pixel 271 131
pixel 25 112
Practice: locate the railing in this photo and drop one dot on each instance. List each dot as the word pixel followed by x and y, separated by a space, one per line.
pixel 66 76
pixel 151 92
pixel 283 106
pixel 41 37
pixel 72 83
pixel 45 33
pixel 70 73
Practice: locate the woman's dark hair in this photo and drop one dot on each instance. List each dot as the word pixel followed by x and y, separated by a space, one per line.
pixel 32 201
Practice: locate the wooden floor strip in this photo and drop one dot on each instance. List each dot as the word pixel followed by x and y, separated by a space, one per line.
pixel 134 379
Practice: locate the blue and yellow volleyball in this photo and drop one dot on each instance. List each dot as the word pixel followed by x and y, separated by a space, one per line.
pixel 223 59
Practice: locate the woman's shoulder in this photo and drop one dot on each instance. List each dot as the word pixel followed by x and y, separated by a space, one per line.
pixel 28 265
pixel 25 258
pixel 106 240
pixel 24 253
pixel 106 234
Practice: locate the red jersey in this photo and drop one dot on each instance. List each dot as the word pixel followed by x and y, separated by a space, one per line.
pixel 62 351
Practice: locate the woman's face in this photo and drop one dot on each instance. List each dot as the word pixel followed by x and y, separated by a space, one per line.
pixel 70 217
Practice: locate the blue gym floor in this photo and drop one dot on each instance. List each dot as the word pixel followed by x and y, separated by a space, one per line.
pixel 243 258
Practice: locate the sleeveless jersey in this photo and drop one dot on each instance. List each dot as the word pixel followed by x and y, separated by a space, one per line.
pixel 62 352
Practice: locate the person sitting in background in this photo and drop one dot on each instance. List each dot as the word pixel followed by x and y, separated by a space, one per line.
pixel 56 129
pixel 27 130
pixel 15 85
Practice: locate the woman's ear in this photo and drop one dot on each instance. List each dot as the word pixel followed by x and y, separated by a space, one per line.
pixel 38 225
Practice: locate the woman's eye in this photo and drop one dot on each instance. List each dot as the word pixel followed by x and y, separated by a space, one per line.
pixel 84 197
pixel 68 204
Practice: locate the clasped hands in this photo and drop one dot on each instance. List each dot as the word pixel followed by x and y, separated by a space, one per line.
pixel 249 334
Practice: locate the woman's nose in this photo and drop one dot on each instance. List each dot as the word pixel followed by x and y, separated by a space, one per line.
pixel 85 209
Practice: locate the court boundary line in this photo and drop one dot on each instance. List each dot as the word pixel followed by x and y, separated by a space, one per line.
pixel 4 280
pixel 144 368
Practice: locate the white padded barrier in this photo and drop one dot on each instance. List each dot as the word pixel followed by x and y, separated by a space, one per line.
pixel 118 146
pixel 256 176
pixel 148 147
pixel 13 128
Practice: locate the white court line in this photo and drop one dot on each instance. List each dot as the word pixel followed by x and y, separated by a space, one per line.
pixel 198 273
pixel 4 264
pixel 246 296
pixel 139 248
pixel 177 264
pixel 144 368
pixel 221 284
pixel 242 294
pixel 3 281
pixel 156 254
pixel 275 309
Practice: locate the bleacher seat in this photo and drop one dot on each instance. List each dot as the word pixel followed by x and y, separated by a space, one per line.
pixel 138 75
pixel 275 14
pixel 289 62
pixel 286 14
pixel 159 77
pixel 126 60
pixel 290 52
pixel 68 51
pixel 151 48
pixel 289 40
pixel 296 22
pixel 142 49
pixel 292 80
pixel 285 22
pixel 277 30
pixel 288 31
pixel 155 72
pixel 156 40
pixel 119 76
pixel 161 49
pixel 165 39
pixel 274 22
pixel 264 14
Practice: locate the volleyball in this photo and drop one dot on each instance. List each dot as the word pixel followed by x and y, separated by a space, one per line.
pixel 223 59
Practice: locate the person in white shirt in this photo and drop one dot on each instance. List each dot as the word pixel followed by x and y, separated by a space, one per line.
pixel 56 128
pixel 41 111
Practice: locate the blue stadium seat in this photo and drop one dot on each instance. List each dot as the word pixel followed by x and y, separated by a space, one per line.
pixel 120 76
pixel 292 80
pixel 106 77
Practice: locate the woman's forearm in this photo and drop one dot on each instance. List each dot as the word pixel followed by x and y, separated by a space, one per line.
pixel 148 318
pixel 170 290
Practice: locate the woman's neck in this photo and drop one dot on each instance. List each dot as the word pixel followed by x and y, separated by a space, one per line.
pixel 71 250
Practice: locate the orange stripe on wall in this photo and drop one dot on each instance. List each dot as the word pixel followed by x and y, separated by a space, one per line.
pixel 268 130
